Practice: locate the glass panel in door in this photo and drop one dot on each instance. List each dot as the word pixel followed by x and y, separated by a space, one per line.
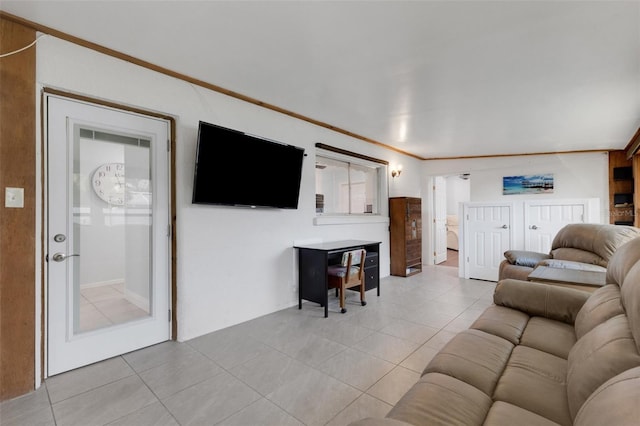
pixel 111 228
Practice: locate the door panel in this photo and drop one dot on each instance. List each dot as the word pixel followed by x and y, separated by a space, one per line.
pixel 543 220
pixel 489 236
pixel 108 241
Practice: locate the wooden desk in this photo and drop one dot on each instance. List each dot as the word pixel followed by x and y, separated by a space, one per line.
pixel 586 280
pixel 314 259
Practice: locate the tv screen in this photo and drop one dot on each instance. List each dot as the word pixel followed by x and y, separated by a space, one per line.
pixel 237 169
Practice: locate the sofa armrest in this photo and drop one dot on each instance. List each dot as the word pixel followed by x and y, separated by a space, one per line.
pixel 525 258
pixel 537 299
pixel 516 272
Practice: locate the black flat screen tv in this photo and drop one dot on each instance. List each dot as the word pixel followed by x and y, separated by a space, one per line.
pixel 237 169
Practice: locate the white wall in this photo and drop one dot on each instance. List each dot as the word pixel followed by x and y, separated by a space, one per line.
pixel 233 264
pixel 458 191
pixel 579 175
pixel 576 175
pixel 407 184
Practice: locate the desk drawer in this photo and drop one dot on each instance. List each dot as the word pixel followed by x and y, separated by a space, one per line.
pixel 371 259
pixel 371 277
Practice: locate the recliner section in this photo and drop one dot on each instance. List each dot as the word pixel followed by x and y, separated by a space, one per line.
pixel 584 246
pixel 542 354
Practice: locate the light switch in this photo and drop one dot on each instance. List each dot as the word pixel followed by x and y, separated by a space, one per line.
pixel 14 197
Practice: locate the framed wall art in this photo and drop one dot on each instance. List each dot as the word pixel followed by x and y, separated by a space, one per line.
pixel 527 184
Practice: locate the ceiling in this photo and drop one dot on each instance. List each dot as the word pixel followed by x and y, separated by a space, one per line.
pixel 434 79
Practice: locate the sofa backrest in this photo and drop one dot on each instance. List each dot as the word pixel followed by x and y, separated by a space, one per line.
pixel 605 351
pixel 591 242
pixel 622 260
pixel 614 403
pixel 630 297
pixel 603 304
pixel 608 332
pixel 606 302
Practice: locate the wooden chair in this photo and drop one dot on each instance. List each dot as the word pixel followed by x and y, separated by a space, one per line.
pixel 348 274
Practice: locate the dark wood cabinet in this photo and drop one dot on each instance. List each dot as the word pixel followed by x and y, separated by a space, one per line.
pixel 405 235
pixel 621 189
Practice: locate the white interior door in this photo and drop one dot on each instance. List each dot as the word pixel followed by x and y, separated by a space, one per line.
pixel 488 234
pixel 543 219
pixel 108 242
pixel 440 218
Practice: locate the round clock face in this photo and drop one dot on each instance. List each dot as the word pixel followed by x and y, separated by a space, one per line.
pixel 108 183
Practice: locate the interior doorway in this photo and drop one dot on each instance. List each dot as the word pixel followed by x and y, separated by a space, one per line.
pixel 448 210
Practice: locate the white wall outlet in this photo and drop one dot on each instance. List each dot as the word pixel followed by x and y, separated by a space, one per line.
pixel 14 197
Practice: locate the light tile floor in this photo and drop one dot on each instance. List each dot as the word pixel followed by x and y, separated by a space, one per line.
pixel 292 367
pixel 106 305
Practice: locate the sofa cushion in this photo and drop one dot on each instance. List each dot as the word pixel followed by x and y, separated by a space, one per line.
pixel 535 381
pixel 601 239
pixel 578 255
pixel 615 402
pixel 441 399
pixel 525 258
pixel 503 322
pixel 622 261
pixel 554 337
pixel 373 421
pixel 602 353
pixel 603 304
pixel 475 357
pixel 630 298
pixel 517 272
pixel 503 413
pixel 536 299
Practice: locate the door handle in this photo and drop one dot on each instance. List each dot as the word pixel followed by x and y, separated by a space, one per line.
pixel 59 257
pixel 504 227
pixel 534 227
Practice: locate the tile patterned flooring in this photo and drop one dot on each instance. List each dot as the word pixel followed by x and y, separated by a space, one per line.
pixel 292 367
pixel 106 305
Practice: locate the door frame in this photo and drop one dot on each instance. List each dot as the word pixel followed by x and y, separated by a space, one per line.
pixel 41 328
pixel 438 188
pixel 428 213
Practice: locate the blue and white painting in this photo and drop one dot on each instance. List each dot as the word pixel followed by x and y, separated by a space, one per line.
pixel 527 184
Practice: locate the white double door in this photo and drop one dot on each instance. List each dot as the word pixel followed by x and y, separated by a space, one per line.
pixel 108 235
pixel 490 229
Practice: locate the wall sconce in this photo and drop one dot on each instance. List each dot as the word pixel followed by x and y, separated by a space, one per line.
pixel 396 171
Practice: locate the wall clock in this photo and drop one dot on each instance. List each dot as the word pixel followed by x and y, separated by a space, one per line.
pixel 108 183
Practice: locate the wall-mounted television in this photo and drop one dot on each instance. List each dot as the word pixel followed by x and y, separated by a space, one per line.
pixel 234 168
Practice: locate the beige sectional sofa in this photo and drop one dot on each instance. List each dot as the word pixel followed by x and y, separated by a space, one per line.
pixel 541 355
pixel 584 246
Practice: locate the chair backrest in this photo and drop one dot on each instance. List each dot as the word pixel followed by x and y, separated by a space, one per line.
pixel 356 257
pixel 353 261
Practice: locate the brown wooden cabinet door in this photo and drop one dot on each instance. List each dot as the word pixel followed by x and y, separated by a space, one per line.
pixel 406 235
